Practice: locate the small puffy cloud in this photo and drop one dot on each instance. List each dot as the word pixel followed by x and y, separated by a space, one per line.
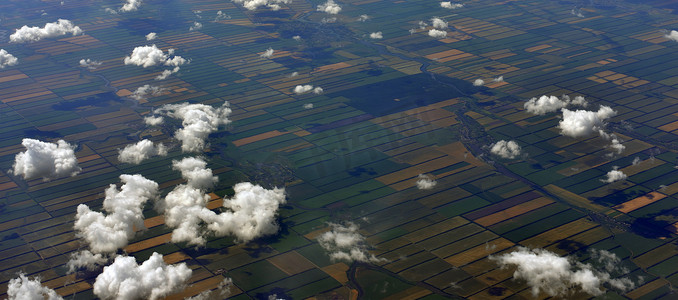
pixel 450 5
pixel 294 74
pixel 500 79
pixel 296 38
pixel 329 7
pixel 90 64
pixel 344 242
pixel 22 288
pixel 50 30
pixel 107 233
pixel 438 23
pixel 425 182
pixel 545 271
pixel 198 120
pixel 577 12
pixel 268 53
pixel 302 89
pixel 222 291
pixel 376 35
pixel 195 172
pixel 146 90
pixel 582 123
pixel 547 104
pixel 615 142
pixel 149 56
pixel 153 279
pixel 151 36
pixel 363 18
pixel 46 160
pixel 254 4
pixel 672 35
pixel 614 175
pixel 221 16
pixel 328 20
pixel 506 149
pixel 195 26
pixel 7 59
pixel 636 161
pixel 478 82
pixel 308 105
pixel 130 5
pixel 154 120
pixel 142 150
pixel 85 259
pixel 438 34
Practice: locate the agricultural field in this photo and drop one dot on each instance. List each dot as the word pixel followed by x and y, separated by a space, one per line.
pixel 394 135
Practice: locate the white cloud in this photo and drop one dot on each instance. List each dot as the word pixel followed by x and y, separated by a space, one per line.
pixel 614 175
pixel 425 182
pixel 556 276
pixel 636 161
pixel 296 38
pixel 363 18
pixel 450 5
pixel 85 259
pixel 107 233
pixel 146 90
pixel 195 172
pixel 111 11
pixel 142 150
pixel 344 242
pixel 547 104
pixel 149 56
pixel 22 288
pixel 90 64
pixel 616 143
pixel 302 89
pixel 439 34
pixel 308 105
pixel 294 74
pixel 254 4
pixel 422 25
pixel 222 291
pixel 7 59
pixel 581 123
pixel 130 5
pixel 46 160
pixel 268 53
pixel 500 79
pixel 198 120
pixel 50 30
pixel 328 20
pixel 672 35
pixel 153 279
pixel 506 149
pixel 478 82
pixel 577 12
pixel 438 23
pixel 195 26
pixel 329 7
pixel 151 36
pixel 376 35
pixel 154 120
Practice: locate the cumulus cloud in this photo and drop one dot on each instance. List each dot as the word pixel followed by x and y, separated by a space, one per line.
pixel 107 233
pixel 376 35
pixel 146 90
pixel 557 276
pixel 501 79
pixel 130 5
pixel 450 5
pixel 221 16
pixel 438 23
pixel 308 105
pixel 363 18
pixel 50 30
pixel 478 82
pixel 328 20
pixel 142 150
pixel 85 259
pixel 250 213
pixel 153 279
pixel 506 149
pixel 438 34
pixel 198 120
pixel 577 12
pixel 672 35
pixel 90 64
pixel 149 56
pixel 615 142
pixel 581 123
pixel 547 104
pixel 329 7
pixel 296 38
pixel 344 242
pixel 268 53
pixel 22 288
pixel 302 89
pixel 154 120
pixel 46 160
pixel 195 26
pixel 425 182
pixel 614 175
pixel 222 291
pixel 7 59
pixel 151 36
pixel 254 4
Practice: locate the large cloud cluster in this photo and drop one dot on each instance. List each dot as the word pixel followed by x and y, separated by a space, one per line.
pixel 7 59
pixel 251 212
pixel 344 242
pixel 34 34
pixel 302 89
pixel 22 288
pixel 580 123
pixel 254 4
pixel 329 7
pixel 149 56
pixel 107 233
pixel 556 276
pixel 198 120
pixel 153 279
pixel 142 150
pixel 46 160
pixel 547 104
pixel 506 149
